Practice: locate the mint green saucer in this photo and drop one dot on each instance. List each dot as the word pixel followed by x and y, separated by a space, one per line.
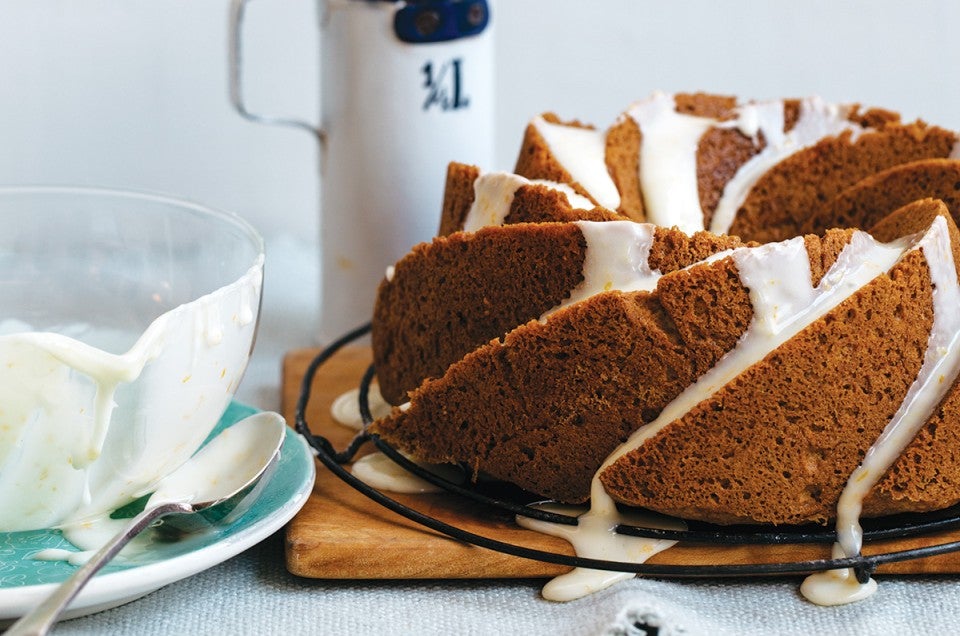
pixel 25 581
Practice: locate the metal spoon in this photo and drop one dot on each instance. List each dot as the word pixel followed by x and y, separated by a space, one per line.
pixel 217 484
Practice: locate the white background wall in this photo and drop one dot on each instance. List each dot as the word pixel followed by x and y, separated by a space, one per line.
pixel 133 93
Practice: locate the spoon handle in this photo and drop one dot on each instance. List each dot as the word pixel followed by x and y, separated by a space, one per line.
pixel 39 620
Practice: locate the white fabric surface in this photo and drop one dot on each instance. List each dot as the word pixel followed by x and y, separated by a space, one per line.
pixel 254 594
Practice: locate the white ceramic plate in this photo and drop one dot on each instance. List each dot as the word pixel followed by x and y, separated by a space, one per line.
pixel 24 582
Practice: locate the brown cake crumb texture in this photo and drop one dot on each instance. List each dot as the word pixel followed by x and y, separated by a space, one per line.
pixel 566 392
pixel 458 197
pixel 623 163
pixel 797 188
pixel 450 296
pixel 865 203
pixel 778 443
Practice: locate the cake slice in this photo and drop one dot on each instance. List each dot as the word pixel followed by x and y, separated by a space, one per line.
pixel 799 187
pixel 473 199
pixel 778 443
pixel 544 407
pixel 452 295
pixel 865 203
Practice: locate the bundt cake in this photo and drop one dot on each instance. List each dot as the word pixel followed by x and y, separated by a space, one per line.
pixel 461 324
pixel 774 441
pixel 735 312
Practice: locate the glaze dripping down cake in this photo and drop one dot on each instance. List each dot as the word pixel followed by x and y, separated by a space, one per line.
pixel 714 309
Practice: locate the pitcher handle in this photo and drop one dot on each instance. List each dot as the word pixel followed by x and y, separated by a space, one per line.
pixel 237 9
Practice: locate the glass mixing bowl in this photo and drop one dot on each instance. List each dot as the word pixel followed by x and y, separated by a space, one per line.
pixel 126 324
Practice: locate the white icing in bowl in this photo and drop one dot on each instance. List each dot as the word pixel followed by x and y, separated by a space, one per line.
pixel 127 325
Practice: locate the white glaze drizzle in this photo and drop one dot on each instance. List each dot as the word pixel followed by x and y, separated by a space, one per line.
pixel 345 409
pixel 668 162
pixel 784 302
pixel 582 153
pixel 615 259
pixel 89 536
pixel 67 556
pixel 245 313
pixel 670 141
pixel 493 195
pixel 34 351
pixel 836 587
pixel 595 537
pixel 759 117
pixel 938 372
pixel 381 472
pixel 817 120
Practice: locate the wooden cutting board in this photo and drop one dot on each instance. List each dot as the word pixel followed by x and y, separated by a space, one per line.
pixel 341 534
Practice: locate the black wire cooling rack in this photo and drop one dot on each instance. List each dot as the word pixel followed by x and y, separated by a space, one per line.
pixel 892 527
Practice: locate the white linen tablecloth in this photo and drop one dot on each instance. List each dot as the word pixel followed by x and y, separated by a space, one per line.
pixel 254 594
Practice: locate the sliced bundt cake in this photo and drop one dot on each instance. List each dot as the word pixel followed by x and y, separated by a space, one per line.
pixel 771 440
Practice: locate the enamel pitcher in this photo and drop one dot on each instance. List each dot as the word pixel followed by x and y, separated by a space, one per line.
pixel 406 87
